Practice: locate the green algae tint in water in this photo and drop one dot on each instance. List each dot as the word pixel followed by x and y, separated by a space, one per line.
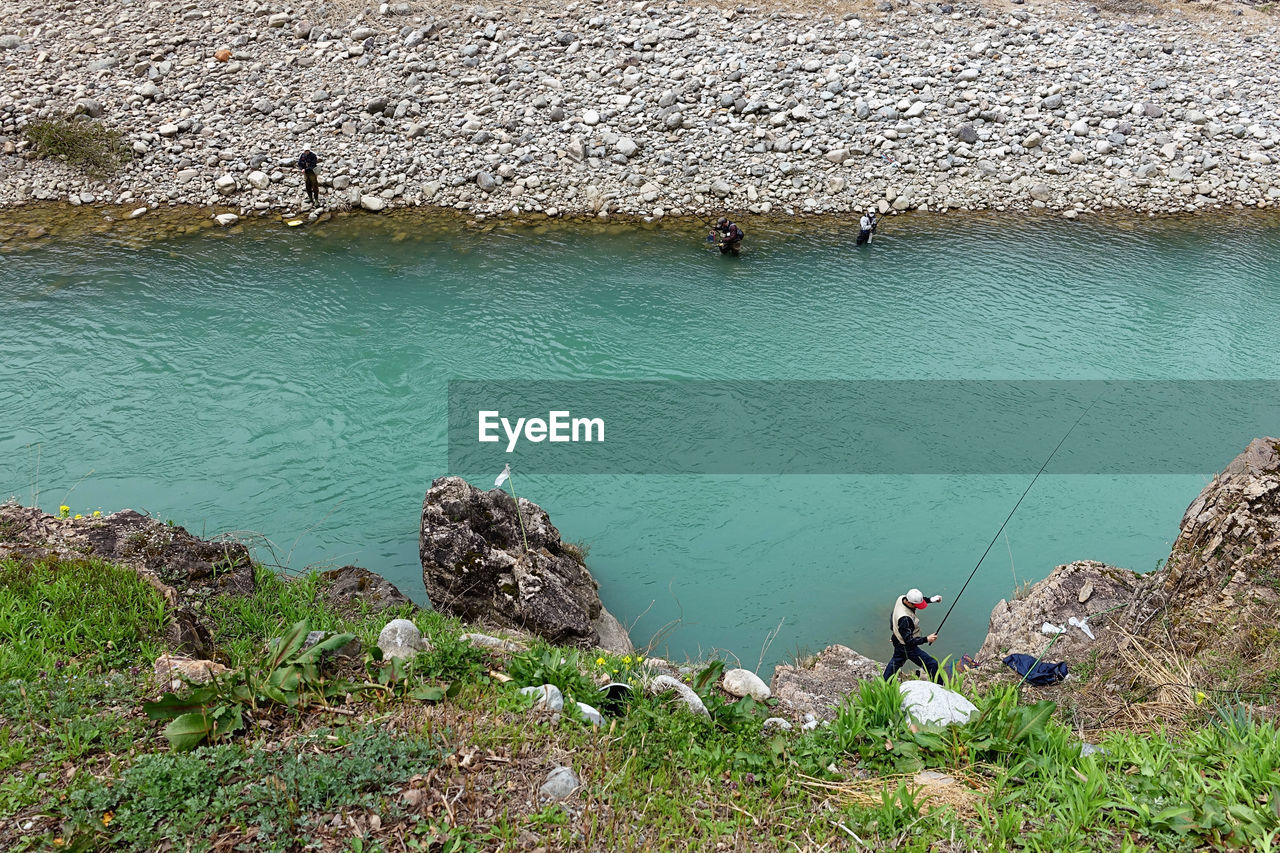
pixel 293 383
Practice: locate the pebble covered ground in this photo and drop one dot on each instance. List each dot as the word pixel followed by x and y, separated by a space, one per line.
pixel 653 109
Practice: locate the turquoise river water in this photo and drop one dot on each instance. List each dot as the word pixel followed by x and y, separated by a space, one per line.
pixel 293 383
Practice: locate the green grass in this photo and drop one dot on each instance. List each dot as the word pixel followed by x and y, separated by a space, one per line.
pixel 79 638
pixel 74 637
pixel 242 625
pixel 86 614
pixel 274 796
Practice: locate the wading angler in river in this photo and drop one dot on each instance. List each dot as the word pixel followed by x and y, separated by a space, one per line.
pixel 727 237
pixel 867 226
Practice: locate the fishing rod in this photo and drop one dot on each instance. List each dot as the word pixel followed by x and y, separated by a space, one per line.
pixel 1015 509
pixel 706 221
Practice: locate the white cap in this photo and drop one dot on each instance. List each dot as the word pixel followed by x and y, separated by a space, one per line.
pixel 915 596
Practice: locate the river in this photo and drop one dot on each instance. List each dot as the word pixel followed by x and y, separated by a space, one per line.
pixel 292 383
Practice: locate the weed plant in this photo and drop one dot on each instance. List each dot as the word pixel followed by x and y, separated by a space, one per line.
pixel 244 625
pixel 564 668
pixel 75 744
pixel 89 145
pixel 275 792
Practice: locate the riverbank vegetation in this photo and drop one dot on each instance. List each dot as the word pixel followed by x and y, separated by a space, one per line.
pixel 360 754
pixel 86 144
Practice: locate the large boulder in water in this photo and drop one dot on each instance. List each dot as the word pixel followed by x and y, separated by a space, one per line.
pixel 475 567
pixel 1078 591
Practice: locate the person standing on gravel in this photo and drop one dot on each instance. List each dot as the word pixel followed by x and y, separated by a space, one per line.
pixel 905 627
pixel 307 163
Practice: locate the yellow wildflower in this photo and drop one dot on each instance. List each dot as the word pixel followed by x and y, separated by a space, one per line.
pixel 63 510
pixel 107 817
pixel 97 513
pixel 78 515
pixel 627 659
pixel 599 661
pixel 58 842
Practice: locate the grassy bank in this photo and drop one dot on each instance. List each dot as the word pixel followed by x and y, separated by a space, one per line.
pixel 446 755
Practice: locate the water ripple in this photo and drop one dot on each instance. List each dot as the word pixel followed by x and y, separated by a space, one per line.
pixel 296 384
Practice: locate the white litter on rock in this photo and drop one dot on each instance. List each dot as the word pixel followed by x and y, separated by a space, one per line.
pixel 1050 628
pixel 1083 625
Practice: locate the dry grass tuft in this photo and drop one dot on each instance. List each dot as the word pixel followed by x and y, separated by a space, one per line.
pixel 1164 670
pixel 960 790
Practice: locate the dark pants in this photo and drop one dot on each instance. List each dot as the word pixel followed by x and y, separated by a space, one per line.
pixel 313 186
pixel 864 237
pixel 731 248
pixel 901 654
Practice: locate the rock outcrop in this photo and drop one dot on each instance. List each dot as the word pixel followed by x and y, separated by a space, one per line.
pixel 185 569
pixel 1212 604
pixel 182 566
pixel 1219 590
pixel 475 566
pixel 352 588
pixel 820 688
pixel 1077 590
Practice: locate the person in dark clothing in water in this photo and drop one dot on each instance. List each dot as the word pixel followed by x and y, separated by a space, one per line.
pixel 905 627
pixel 867 226
pixel 728 237
pixel 307 163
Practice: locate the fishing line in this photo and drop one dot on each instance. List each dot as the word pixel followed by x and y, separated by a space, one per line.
pixel 1015 509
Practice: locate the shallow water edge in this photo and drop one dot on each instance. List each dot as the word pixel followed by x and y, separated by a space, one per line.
pixel 29 225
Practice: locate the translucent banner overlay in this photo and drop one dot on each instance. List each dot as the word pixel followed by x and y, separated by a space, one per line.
pixel 855 427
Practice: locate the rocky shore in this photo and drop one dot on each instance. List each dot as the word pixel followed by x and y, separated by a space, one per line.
pixel 129 643
pixel 648 109
pixel 1207 608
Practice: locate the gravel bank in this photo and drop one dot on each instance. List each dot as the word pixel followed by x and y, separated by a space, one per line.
pixel 650 109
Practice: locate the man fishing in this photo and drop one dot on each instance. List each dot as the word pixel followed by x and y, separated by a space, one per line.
pixel 907 641
pixel 867 225
pixel 729 237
